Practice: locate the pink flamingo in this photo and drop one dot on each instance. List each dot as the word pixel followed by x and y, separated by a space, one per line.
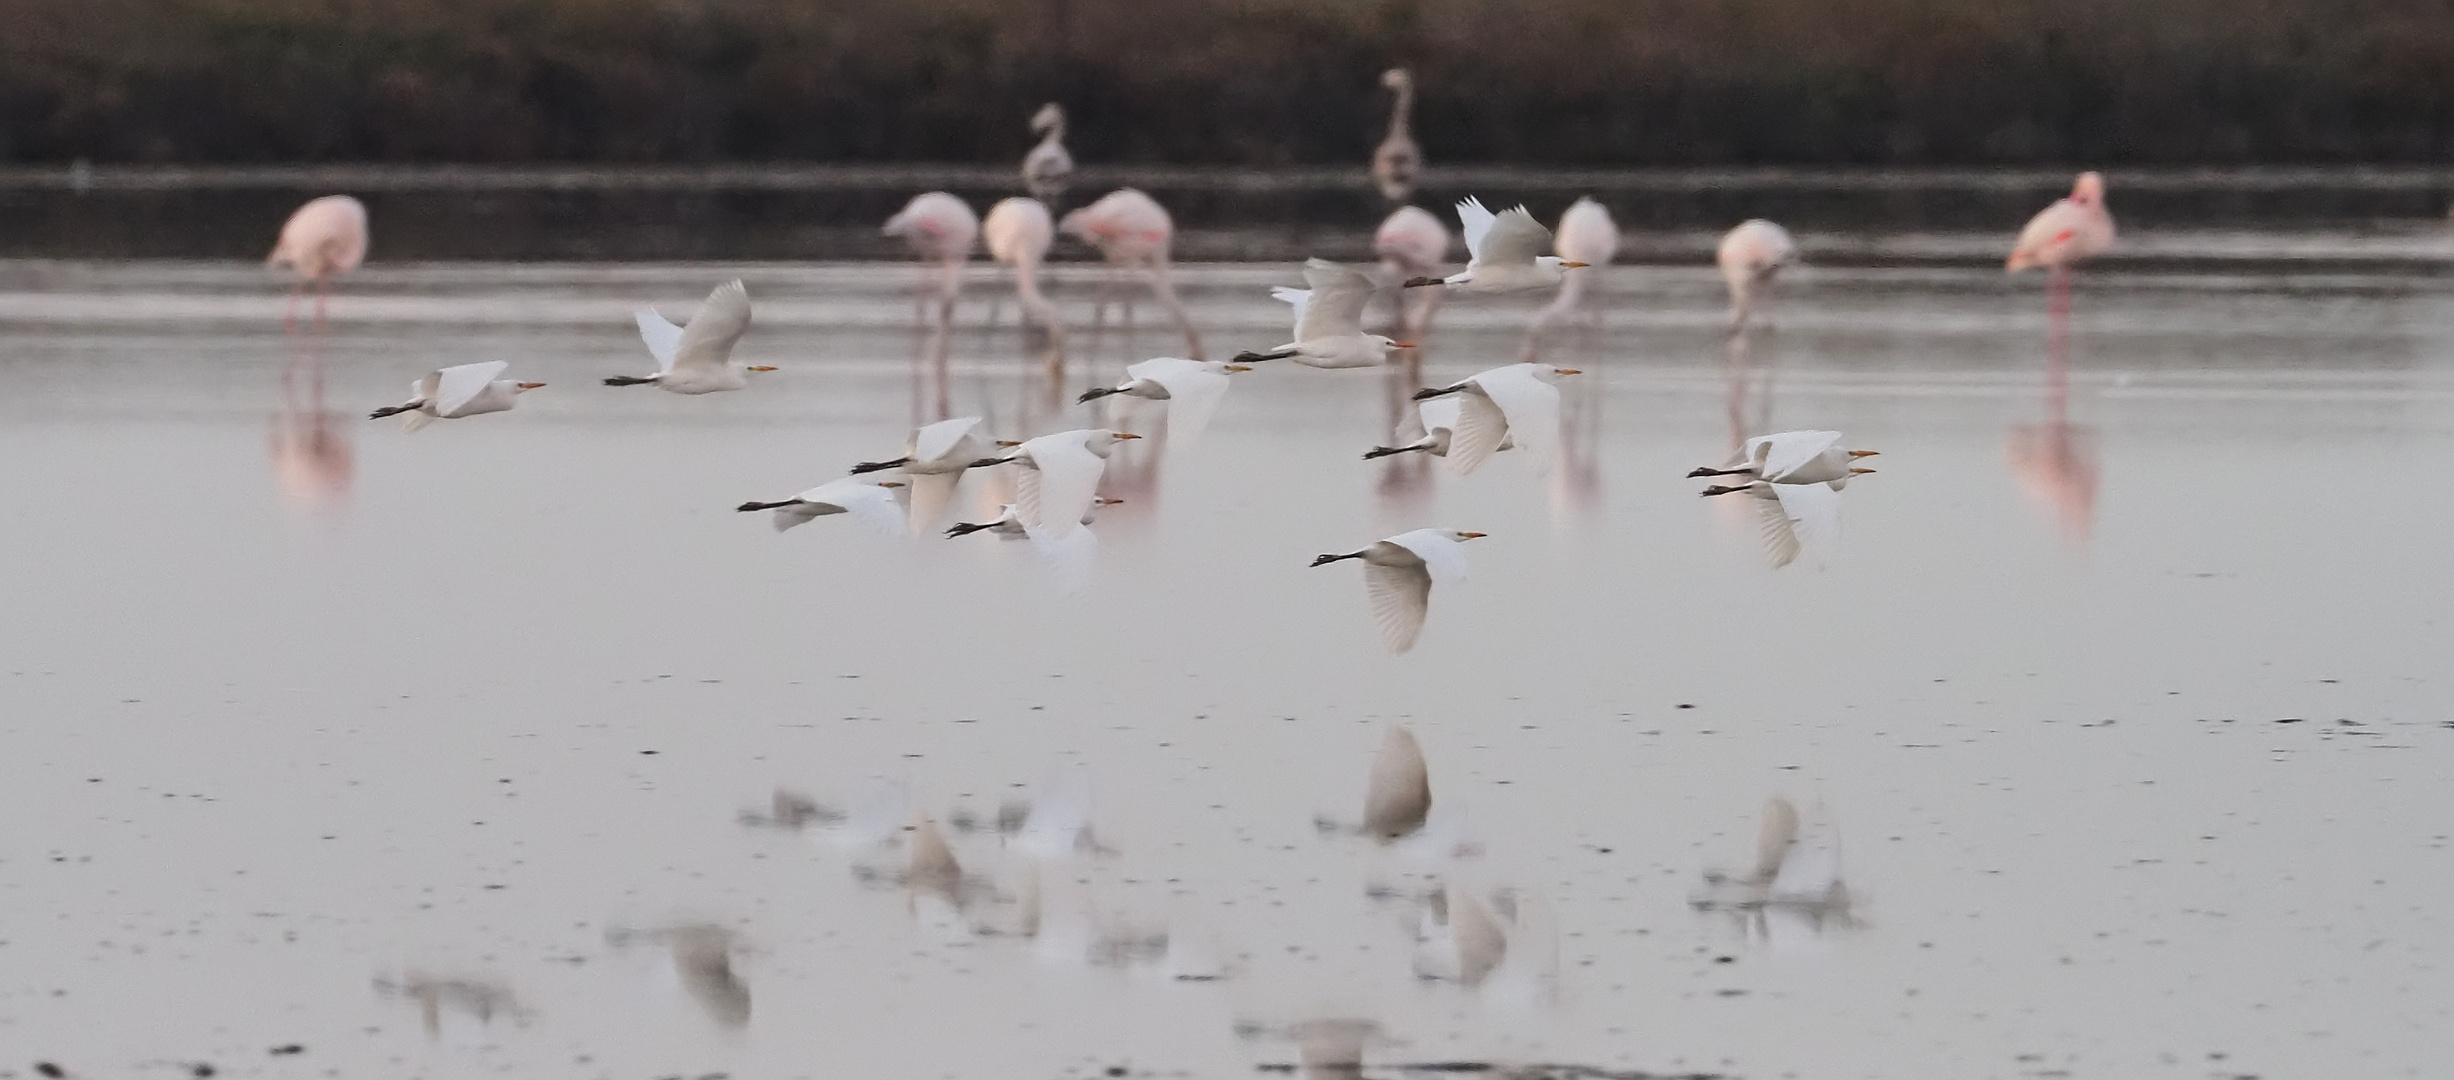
pixel 1411 244
pixel 2075 227
pixel 323 240
pixel 1019 232
pixel 1132 230
pixel 1750 256
pixel 1586 235
pixel 1398 161
pixel 941 229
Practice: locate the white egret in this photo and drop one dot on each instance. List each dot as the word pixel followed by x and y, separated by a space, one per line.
pixel 934 460
pixel 1513 403
pixel 1191 388
pixel 1457 938
pixel 1398 161
pixel 1794 517
pixel 1008 526
pixel 1793 457
pixel 1329 321
pixel 1749 256
pixel 1398 574
pixel 1060 475
pixel 872 505
pixel 1437 422
pixel 1048 168
pixel 454 392
pixel 322 240
pixel 697 359
pixel 1505 252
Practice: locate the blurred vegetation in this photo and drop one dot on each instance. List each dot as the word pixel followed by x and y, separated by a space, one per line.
pixel 1259 82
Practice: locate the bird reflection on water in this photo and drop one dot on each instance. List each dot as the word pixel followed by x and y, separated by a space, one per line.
pixel 1794 890
pixel 702 956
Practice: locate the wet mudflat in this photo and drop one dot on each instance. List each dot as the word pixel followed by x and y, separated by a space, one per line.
pixel 2121 708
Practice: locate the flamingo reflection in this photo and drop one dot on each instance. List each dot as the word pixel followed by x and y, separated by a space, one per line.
pixel 2055 460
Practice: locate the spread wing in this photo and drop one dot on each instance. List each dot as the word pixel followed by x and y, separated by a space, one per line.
pixel 457 386
pixel 931 443
pixel 1055 495
pixel 1301 299
pixel 1068 557
pixel 1401 597
pixel 1781 454
pixel 1814 513
pixel 1443 557
pixel 872 506
pixel 1779 530
pixel 931 494
pixel 662 336
pixel 1514 237
pixel 1194 390
pixel 1531 407
pixel 1437 413
pixel 707 343
pixel 1480 429
pixel 1475 222
pixel 1339 295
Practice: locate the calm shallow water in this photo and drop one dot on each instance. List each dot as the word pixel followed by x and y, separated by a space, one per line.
pixel 281 726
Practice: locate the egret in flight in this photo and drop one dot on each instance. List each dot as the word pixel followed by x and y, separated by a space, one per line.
pixel 1060 476
pixel 1749 256
pixel 1191 388
pixel 1506 253
pixel 1008 526
pixel 1516 404
pixel 323 239
pixel 934 460
pixel 1329 321
pixel 1438 422
pixel 870 504
pixel 454 392
pixel 1398 574
pixel 1793 457
pixel 697 359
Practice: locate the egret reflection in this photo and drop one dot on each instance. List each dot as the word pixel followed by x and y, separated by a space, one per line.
pixel 702 956
pixel 456 1011
pixel 1794 889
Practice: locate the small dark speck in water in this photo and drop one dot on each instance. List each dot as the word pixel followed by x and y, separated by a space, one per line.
pixel 48 1069
pixel 650 753
pixel 1725 959
pixel 1732 993
pixel 287 1049
pixel 2290 720
pixel 200 1069
pixel 1686 705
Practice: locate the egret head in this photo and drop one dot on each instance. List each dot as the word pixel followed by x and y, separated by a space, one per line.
pixel 528 386
pixel 1550 372
pixel 1387 343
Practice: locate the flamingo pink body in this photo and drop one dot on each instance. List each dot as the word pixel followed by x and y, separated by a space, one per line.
pixel 1587 235
pixel 1019 232
pixel 1132 230
pixel 939 227
pixel 1414 241
pixel 2072 229
pixel 323 239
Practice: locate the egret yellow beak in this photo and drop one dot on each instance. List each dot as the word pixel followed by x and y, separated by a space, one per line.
pixel 1008 442
pixel 1108 502
pixel 1239 367
pixel 890 483
pixel 1574 265
pixel 1471 536
pixel 1863 453
pixel 761 367
pixel 530 385
pixel 1571 371
pixel 1126 435
pixel 1860 472
pixel 1401 344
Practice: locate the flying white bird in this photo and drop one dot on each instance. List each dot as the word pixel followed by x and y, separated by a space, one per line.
pixel 1060 475
pixel 1506 252
pixel 1793 457
pixel 1048 168
pixel 2073 228
pixel 1457 939
pixel 1514 403
pixel 1399 572
pixel 1329 321
pixel 934 460
pixel 1794 517
pixel 1191 388
pixel 454 392
pixel 1437 426
pixel 697 359
pixel 1749 256
pixel 1007 526
pixel 870 504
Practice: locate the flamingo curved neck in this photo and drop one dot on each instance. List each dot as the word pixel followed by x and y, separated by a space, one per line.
pixel 1400 116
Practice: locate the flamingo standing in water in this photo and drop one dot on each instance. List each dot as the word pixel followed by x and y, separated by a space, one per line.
pixel 1586 235
pixel 1132 230
pixel 2057 459
pixel 1048 168
pixel 323 240
pixel 1398 161
pixel 1019 231
pixel 2073 228
pixel 941 229
pixel 1749 257
pixel 1411 244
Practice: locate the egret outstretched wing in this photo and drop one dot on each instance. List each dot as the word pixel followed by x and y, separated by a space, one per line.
pixel 1069 557
pixel 1444 558
pixel 1401 598
pixel 1299 299
pixel 1531 406
pixel 1480 428
pixel 1475 222
pixel 1779 455
pixel 1339 295
pixel 457 386
pixel 931 493
pixel 1437 414
pixel 1193 393
pixel 931 443
pixel 663 338
pixel 1815 508
pixel 1056 493
pixel 872 506
pixel 1513 238
pixel 707 343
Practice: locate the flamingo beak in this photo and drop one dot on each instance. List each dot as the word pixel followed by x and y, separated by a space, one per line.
pixel 1472 535
pixel 1239 367
pixel 1863 453
pixel 1127 435
pixel 530 385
